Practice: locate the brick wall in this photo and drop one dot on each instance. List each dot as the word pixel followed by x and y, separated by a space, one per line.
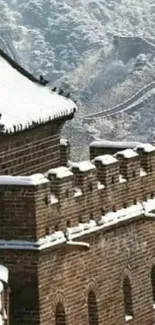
pixel 31 151
pixel 59 286
pixel 75 279
pixel 29 212
pixel 63 286
pixel 23 282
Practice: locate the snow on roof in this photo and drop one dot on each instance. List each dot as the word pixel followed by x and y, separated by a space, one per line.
pixel 82 166
pixel 115 144
pixel 146 147
pixel 106 159
pixel 128 153
pixel 23 101
pixel 60 172
pixel 35 179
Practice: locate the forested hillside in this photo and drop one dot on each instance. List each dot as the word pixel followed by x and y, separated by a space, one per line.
pixel 72 43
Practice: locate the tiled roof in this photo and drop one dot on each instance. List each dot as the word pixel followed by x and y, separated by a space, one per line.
pixel 23 99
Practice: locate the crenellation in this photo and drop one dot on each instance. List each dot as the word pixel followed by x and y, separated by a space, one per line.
pixel 129 164
pixel 88 189
pixel 107 170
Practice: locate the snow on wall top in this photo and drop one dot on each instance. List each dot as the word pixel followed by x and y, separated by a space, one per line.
pixel 60 172
pixel 115 144
pixel 128 153
pixel 35 179
pixel 105 159
pixel 82 166
pixel 146 147
pixel 23 101
pixel 64 142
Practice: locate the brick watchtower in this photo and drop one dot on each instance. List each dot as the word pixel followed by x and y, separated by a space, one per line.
pixel 32 117
pixel 31 120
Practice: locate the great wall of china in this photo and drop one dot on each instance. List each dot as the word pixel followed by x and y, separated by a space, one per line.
pixel 135 101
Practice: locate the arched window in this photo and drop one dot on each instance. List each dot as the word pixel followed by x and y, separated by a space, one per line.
pixel 127 298
pixel 60 318
pixel 153 282
pixel 92 309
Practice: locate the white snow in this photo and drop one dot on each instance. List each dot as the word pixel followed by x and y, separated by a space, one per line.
pixel 128 153
pixel 105 159
pixel 82 166
pixel 45 242
pixel 142 172
pixel 4 273
pixel 130 212
pixel 64 142
pixel 114 144
pixel 76 243
pixel 1 289
pixel 35 179
pixel 23 101
pixel 78 191
pixel 122 179
pixel 147 147
pixel 128 317
pixel 60 172
pixel 149 205
pixel 54 199
pixel 100 186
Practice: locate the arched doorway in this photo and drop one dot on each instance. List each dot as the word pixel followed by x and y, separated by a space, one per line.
pixel 127 297
pixel 92 309
pixel 60 318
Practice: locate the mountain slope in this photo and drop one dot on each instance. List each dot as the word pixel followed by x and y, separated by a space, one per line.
pixel 72 43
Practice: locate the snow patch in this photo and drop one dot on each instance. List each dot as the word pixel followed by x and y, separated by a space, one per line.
pixel 35 179
pixel 128 153
pixel 82 166
pixel 114 144
pixel 149 205
pixel 54 199
pixel 147 147
pixel 142 172
pixel 4 274
pixel 100 186
pixel 64 142
pixel 105 159
pixel 122 179
pixel 60 172
pixel 78 191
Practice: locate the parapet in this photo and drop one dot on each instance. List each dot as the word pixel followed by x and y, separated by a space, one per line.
pixel 33 207
pixel 103 147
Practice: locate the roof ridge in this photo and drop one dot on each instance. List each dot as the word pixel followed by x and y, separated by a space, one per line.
pixel 19 68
